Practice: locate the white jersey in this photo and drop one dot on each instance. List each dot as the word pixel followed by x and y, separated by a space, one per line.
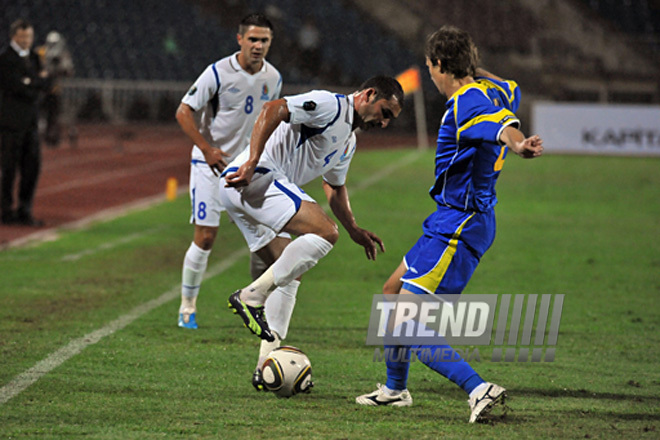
pixel 227 101
pixel 317 141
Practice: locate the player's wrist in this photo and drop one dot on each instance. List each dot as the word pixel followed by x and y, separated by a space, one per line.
pixel 205 148
pixel 354 231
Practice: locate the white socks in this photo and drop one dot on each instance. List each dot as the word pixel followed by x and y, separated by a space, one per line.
pixel 256 293
pixel 301 255
pixel 194 266
pixel 297 258
pixel 279 308
pixel 266 347
pixel 277 286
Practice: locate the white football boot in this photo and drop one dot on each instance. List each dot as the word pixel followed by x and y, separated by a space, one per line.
pixel 381 398
pixel 482 403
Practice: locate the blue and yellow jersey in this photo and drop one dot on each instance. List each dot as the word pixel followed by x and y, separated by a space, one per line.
pixel 469 156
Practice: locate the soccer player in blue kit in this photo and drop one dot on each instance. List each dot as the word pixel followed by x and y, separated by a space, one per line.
pixel 476 131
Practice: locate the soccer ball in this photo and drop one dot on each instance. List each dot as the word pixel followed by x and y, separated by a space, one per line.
pixel 287 371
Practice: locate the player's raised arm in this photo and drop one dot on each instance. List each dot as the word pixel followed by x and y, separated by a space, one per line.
pixel 340 204
pixel 272 114
pixel 215 157
pixel 526 148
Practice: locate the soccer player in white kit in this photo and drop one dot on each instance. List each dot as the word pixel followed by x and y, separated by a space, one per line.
pixel 295 140
pixel 218 114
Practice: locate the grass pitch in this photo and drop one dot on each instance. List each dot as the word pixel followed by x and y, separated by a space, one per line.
pixel 586 227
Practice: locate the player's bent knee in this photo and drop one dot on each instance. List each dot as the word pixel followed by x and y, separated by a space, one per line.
pixel 206 242
pixel 205 237
pixel 330 233
pixel 311 219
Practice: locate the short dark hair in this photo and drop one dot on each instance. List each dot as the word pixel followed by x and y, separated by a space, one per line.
pixel 455 51
pixel 18 24
pixel 386 88
pixel 257 19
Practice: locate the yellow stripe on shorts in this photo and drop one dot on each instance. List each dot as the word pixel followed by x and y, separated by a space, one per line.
pixel 432 279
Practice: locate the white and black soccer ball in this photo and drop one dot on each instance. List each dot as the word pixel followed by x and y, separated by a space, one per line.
pixel 287 371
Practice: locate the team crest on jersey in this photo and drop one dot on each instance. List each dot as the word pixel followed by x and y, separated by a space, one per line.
pixel 264 93
pixel 192 90
pixel 234 90
pixel 346 151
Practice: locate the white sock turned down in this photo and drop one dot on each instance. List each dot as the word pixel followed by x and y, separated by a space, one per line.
pixel 298 257
pixel 194 266
pixel 279 308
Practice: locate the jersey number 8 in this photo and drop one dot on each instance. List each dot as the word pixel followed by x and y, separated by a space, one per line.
pixel 201 211
pixel 249 106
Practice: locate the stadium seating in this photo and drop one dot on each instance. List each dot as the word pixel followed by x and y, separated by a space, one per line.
pixel 640 18
pixel 353 46
pixel 125 39
pixel 175 39
pixel 491 24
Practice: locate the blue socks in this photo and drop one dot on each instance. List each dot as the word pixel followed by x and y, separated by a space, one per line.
pixel 447 362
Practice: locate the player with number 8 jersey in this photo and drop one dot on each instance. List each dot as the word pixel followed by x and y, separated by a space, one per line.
pixel 227 100
pixel 218 113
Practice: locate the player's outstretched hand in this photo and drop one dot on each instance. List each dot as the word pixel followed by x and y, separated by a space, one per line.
pixel 241 177
pixel 531 147
pixel 368 240
pixel 215 158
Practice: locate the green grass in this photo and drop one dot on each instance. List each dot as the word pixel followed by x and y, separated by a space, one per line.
pixel 586 227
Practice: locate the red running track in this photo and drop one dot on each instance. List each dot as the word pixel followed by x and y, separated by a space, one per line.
pixel 114 167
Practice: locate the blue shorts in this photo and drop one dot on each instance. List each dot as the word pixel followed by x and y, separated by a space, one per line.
pixel 445 257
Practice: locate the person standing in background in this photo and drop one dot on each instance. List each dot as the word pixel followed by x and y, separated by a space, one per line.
pixel 22 79
pixel 58 63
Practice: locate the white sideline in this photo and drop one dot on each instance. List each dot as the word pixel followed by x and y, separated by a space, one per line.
pixel 109 245
pixel 18 384
pixel 27 378
pixel 105 215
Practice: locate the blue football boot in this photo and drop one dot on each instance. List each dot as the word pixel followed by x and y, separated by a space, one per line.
pixel 187 320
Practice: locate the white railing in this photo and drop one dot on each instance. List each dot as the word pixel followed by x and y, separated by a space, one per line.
pixel 118 100
pixel 113 99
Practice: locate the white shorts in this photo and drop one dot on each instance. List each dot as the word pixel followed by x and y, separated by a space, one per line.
pixel 204 198
pixel 263 208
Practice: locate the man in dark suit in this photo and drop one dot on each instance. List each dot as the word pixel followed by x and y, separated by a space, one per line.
pixel 21 81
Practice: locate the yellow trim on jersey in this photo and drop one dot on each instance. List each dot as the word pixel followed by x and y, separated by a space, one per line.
pixel 512 85
pixel 466 87
pixel 499 163
pixel 493 117
pixel 462 90
pixel 432 279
